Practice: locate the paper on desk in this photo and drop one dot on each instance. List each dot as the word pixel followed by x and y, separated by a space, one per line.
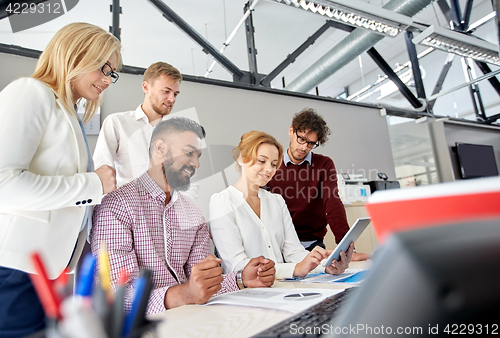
pixel 275 298
pixel 344 277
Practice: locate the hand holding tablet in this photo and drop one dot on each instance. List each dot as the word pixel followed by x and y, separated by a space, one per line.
pixel 351 236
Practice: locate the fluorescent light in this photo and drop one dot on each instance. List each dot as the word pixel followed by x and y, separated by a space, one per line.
pixel 356 96
pixel 357 14
pixel 482 21
pixel 458 43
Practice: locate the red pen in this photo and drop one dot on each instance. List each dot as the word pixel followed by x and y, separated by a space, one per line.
pixel 44 288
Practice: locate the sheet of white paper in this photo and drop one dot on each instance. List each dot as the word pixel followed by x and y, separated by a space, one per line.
pixel 292 300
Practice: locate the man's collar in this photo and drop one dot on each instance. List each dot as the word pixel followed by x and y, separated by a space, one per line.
pixel 287 159
pixel 140 114
pixel 149 185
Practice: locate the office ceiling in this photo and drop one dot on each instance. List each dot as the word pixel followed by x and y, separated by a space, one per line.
pixel 279 29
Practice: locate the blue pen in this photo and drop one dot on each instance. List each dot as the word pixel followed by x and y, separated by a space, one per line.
pixel 140 286
pixel 86 279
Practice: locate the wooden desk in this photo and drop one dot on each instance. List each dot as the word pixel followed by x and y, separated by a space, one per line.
pixel 229 321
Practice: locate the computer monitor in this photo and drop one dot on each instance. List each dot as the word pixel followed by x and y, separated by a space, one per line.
pixel 429 280
pixel 476 160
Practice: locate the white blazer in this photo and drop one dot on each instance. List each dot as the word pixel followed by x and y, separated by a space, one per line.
pixel 44 184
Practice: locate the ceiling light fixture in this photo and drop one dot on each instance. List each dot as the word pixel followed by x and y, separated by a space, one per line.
pixel 472 27
pixel 458 43
pixel 358 96
pixel 357 14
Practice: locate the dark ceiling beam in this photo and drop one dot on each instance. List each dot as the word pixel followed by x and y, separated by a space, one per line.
pixel 415 65
pixel 457 13
pixel 493 80
pixel 251 50
pixel 446 10
pixel 170 15
pixel 492 119
pixel 18 50
pixel 467 13
pixel 442 76
pixel 116 10
pixel 384 66
pixel 293 56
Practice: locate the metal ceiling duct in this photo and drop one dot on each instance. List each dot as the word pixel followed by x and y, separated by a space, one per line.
pixel 357 42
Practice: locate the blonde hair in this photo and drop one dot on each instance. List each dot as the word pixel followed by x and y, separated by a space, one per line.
pixel 249 144
pixel 157 69
pixel 76 49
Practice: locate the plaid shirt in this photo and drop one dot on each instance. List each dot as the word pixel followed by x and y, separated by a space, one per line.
pixel 141 232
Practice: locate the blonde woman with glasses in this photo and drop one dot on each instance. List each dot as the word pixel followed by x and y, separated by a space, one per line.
pixel 47 183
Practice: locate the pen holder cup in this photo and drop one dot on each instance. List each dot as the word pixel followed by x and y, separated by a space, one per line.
pixel 148 330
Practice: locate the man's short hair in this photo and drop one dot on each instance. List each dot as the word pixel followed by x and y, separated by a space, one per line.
pixel 158 69
pixel 175 125
pixel 309 119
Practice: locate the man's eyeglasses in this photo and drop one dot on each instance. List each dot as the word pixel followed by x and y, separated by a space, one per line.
pixel 108 71
pixel 310 145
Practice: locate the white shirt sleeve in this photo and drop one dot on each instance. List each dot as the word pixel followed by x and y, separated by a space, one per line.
pixel 107 144
pixel 293 251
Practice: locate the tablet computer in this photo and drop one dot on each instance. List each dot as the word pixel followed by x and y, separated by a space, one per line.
pixel 351 236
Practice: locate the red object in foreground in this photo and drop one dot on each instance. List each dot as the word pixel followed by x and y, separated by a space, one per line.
pixel 44 288
pixel 406 209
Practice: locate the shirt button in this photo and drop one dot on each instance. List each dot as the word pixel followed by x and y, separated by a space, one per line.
pixel 84 201
pixel 78 203
pixel 89 200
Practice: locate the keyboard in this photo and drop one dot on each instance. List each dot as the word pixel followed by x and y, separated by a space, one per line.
pixel 304 323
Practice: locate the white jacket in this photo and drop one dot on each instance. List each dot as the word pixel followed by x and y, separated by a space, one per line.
pixel 44 184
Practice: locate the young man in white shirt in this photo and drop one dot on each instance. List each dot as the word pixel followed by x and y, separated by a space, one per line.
pixel 124 137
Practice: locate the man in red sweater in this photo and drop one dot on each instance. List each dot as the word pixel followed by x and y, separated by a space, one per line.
pixel 308 183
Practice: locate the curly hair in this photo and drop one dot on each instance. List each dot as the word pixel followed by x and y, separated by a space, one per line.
pixel 309 119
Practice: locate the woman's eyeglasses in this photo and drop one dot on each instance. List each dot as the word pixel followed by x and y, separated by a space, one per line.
pixel 108 71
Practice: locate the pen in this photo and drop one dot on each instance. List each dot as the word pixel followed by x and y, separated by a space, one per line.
pixel 140 318
pixel 140 287
pixel 119 304
pixel 104 271
pixel 86 278
pixel 61 285
pixel 44 288
pixel 101 306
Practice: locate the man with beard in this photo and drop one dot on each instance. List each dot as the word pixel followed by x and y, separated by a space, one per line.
pixel 124 137
pixel 308 183
pixel 147 224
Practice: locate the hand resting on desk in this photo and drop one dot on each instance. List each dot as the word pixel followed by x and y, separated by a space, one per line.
pixel 204 282
pixel 258 273
pixel 206 278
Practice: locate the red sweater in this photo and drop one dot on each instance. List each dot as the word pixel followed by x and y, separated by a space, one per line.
pixel 311 194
